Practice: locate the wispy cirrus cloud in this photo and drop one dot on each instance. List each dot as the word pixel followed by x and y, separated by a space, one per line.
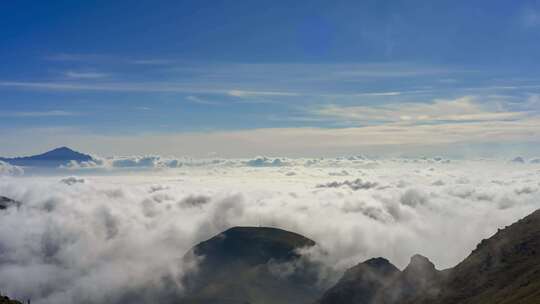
pixel 200 100
pixel 140 87
pixel 85 75
pixel 242 93
pixel 463 109
pixel 530 18
pixel 73 57
pixel 154 61
pixel 391 93
pixel 51 113
pixel 108 86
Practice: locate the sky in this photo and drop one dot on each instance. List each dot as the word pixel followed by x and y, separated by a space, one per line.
pixel 245 78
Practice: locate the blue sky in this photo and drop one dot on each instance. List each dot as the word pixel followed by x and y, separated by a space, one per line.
pixel 334 77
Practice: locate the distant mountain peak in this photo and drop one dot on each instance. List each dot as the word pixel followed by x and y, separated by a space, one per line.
pixel 53 158
pixel 62 151
pixel 63 148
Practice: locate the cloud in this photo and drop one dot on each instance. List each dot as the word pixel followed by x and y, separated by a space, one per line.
pixel 85 75
pixel 149 87
pixel 242 93
pixel 262 161
pixel 195 201
pixel 391 93
pixel 450 139
pixel 90 245
pixel 464 109
pixel 413 198
pixel 339 173
pixel 242 81
pixel 149 161
pixel 123 236
pixel 530 18
pixel 199 100
pixel 518 160
pixel 76 57
pixel 51 113
pixel 10 170
pixel 152 62
pixel 142 162
pixel 72 180
pixel 354 185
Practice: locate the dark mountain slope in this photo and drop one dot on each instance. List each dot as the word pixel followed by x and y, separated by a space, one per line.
pixel 361 283
pixel 503 269
pixel 419 278
pixel 54 158
pixel 377 281
pixel 252 265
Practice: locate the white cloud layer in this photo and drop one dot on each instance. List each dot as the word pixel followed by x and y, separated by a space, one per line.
pixel 100 237
pixel 10 170
pixel 159 162
pixel 458 110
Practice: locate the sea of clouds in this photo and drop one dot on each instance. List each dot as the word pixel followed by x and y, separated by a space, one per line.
pixel 10 170
pixel 95 232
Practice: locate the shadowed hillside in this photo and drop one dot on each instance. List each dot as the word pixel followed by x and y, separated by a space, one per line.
pixel 361 283
pixel 253 265
pixel 503 269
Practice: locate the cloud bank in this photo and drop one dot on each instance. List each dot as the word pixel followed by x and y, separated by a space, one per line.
pixel 10 170
pixel 114 238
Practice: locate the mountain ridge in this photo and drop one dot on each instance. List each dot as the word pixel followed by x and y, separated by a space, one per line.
pixel 52 158
pixel 481 278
